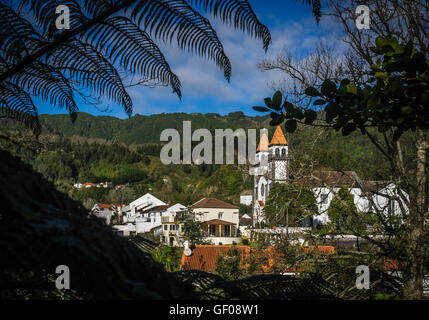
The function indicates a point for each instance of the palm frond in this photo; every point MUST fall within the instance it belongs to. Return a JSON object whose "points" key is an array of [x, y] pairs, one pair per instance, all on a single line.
{"points": [[91, 70], [16, 104], [124, 42]]}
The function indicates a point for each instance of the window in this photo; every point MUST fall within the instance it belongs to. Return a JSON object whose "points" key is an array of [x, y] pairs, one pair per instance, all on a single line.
{"points": [[262, 189], [219, 215], [172, 227], [227, 231], [324, 198], [165, 227], [277, 152], [212, 230], [283, 151]]}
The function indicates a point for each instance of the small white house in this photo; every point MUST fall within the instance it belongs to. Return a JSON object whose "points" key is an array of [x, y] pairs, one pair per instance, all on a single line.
{"points": [[326, 184], [220, 220], [246, 197], [154, 217]]}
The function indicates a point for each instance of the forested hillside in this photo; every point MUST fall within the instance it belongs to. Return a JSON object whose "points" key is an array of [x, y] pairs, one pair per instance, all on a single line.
{"points": [[126, 152]]}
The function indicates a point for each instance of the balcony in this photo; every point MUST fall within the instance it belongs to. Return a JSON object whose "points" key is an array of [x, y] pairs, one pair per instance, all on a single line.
{"points": [[168, 219]]}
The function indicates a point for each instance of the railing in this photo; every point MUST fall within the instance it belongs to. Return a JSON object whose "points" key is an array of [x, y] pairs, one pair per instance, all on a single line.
{"points": [[168, 219]]}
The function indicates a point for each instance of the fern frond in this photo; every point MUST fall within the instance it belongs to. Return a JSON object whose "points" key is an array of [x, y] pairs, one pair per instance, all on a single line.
{"points": [[16, 104], [91, 70], [46, 82], [46, 16], [17, 36], [240, 14], [169, 19], [124, 42]]}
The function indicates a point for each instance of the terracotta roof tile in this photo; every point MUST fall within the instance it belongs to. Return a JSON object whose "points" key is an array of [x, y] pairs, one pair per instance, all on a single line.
{"points": [[278, 137], [218, 221], [261, 203], [213, 203], [263, 143], [246, 193], [329, 178], [204, 257]]}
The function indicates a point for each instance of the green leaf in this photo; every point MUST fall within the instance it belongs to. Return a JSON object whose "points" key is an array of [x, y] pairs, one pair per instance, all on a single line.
{"points": [[261, 109], [310, 116], [328, 87], [312, 92], [276, 119], [268, 102], [289, 108], [277, 100], [291, 125], [331, 112], [319, 102], [351, 88]]}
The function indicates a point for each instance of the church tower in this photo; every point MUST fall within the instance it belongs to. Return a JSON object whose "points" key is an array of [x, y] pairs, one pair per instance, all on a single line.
{"points": [[273, 161], [278, 157]]}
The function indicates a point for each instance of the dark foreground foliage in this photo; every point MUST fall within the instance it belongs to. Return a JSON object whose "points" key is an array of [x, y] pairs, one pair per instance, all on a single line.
{"points": [[42, 228]]}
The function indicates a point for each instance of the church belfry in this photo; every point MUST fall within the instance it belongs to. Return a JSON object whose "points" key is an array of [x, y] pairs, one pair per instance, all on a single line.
{"points": [[278, 159], [267, 172]]}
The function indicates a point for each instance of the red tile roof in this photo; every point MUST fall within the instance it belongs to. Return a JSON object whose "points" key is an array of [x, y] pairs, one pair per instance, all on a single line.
{"points": [[278, 137], [263, 144], [331, 178], [246, 193], [213, 203], [218, 221], [89, 184], [261, 203], [204, 257], [104, 205]]}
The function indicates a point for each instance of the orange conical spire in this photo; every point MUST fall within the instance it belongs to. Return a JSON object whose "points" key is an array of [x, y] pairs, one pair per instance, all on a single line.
{"points": [[278, 137], [263, 144]]}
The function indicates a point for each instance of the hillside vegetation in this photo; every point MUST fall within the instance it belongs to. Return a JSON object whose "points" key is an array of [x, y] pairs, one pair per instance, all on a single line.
{"points": [[126, 152]]}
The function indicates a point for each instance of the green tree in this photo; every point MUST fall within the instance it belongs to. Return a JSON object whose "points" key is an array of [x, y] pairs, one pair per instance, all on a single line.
{"points": [[230, 265], [393, 99], [192, 228], [289, 204], [342, 212]]}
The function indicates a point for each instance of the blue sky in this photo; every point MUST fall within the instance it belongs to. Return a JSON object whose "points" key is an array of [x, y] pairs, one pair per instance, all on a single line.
{"points": [[204, 88]]}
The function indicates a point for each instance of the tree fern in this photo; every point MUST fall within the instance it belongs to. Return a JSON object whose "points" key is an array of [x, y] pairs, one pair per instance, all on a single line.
{"points": [[106, 35]]}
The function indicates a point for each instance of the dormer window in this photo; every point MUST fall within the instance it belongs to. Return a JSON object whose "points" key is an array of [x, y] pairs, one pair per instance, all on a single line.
{"points": [[219, 215]]}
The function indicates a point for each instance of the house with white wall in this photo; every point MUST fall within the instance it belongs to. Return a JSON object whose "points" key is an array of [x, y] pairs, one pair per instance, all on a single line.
{"points": [[246, 197], [325, 185], [220, 220]]}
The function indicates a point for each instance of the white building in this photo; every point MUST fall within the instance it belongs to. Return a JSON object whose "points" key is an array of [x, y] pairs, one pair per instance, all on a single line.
{"points": [[220, 220], [154, 217], [274, 162], [246, 197], [106, 211], [324, 184]]}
